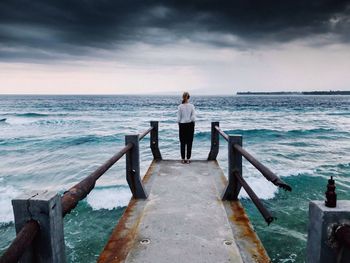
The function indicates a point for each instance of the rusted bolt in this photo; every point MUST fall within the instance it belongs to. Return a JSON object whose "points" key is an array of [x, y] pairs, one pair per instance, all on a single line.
{"points": [[145, 241], [228, 242]]}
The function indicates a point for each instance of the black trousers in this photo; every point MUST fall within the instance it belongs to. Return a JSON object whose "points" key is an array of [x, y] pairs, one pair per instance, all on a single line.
{"points": [[186, 131]]}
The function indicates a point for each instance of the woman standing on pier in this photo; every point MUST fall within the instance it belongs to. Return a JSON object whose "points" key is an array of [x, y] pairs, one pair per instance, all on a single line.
{"points": [[186, 119]]}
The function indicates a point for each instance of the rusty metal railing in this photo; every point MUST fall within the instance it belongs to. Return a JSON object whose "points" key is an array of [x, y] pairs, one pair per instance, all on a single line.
{"points": [[235, 178], [23, 240], [266, 172], [78, 192], [222, 133], [30, 230], [255, 199], [142, 135]]}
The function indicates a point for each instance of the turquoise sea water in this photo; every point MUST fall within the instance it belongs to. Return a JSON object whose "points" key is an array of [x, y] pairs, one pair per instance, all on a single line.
{"points": [[52, 142]]}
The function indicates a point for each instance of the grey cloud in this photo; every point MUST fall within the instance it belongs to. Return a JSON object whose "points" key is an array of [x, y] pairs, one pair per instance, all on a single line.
{"points": [[64, 28]]}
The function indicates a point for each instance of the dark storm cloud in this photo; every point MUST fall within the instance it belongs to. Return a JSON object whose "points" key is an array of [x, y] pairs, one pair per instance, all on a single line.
{"points": [[32, 29]]}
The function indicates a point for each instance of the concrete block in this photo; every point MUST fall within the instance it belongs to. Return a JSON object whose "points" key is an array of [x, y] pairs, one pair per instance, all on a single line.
{"points": [[321, 247], [44, 207]]}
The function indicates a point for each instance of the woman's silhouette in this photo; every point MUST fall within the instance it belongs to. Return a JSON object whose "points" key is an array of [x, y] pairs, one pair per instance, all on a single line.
{"points": [[186, 119]]}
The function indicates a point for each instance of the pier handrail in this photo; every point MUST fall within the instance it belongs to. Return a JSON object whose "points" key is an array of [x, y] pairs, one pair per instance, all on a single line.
{"points": [[78, 192], [235, 178], [255, 199], [69, 201], [23, 239], [142, 135], [222, 133], [266, 172]]}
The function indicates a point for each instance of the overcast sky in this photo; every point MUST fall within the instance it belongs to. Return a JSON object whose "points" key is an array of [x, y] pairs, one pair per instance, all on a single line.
{"points": [[208, 47]]}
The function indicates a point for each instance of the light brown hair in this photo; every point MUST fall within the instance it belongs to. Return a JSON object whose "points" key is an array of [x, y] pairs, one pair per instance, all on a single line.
{"points": [[185, 97]]}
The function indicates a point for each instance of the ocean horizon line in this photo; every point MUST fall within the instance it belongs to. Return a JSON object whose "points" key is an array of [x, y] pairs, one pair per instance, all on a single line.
{"points": [[239, 93]]}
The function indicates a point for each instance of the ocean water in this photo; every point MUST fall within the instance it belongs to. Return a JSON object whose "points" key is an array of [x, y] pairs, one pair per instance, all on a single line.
{"points": [[53, 142]]}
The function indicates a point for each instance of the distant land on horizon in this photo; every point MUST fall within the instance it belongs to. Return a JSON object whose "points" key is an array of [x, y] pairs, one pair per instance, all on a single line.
{"points": [[331, 92]]}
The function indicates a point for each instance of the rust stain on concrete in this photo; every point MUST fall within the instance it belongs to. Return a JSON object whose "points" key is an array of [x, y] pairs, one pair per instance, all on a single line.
{"points": [[124, 234], [122, 237], [241, 220]]}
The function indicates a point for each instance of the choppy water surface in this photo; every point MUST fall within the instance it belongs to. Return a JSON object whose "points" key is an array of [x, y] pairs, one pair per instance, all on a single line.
{"points": [[52, 142]]}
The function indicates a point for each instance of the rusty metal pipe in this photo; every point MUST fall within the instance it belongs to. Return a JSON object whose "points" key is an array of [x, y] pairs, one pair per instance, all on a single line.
{"points": [[342, 234], [22, 241], [79, 191], [145, 133], [266, 172], [222, 133], [263, 211]]}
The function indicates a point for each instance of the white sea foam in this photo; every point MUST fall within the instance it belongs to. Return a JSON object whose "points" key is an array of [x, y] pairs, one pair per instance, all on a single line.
{"points": [[262, 188], [7, 193], [109, 198], [19, 121], [259, 184]]}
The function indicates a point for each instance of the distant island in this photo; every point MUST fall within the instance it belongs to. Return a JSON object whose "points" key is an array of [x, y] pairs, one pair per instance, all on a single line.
{"points": [[331, 92]]}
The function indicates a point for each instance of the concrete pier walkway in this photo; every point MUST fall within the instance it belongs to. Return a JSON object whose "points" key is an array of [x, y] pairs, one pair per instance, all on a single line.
{"points": [[184, 220]]}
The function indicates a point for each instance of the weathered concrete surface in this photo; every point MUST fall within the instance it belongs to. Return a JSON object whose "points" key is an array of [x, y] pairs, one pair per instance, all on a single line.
{"points": [[183, 220], [45, 208], [322, 221], [124, 234], [249, 244]]}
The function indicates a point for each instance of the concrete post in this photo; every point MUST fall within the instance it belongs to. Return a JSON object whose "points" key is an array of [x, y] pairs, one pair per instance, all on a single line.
{"points": [[45, 208], [234, 164], [322, 246], [214, 148], [133, 167], [154, 141]]}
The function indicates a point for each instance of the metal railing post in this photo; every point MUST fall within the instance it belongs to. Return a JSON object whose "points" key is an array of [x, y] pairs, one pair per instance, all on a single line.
{"points": [[45, 208], [154, 141], [234, 164], [133, 168], [214, 148]]}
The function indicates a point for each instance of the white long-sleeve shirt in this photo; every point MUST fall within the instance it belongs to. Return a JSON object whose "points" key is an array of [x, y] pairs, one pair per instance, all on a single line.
{"points": [[186, 113]]}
